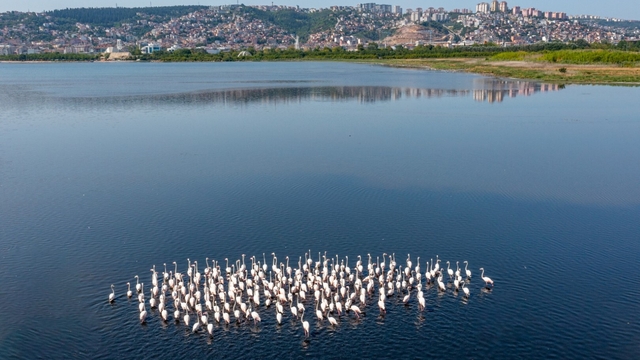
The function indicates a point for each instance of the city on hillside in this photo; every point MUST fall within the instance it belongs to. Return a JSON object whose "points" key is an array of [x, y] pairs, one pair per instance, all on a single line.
{"points": [[217, 29]]}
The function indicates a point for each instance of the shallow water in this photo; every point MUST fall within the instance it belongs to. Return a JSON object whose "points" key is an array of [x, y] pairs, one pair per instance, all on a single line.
{"points": [[107, 169]]}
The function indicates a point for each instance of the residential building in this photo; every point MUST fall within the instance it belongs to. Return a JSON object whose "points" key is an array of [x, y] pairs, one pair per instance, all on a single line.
{"points": [[416, 15], [482, 7], [494, 6]]}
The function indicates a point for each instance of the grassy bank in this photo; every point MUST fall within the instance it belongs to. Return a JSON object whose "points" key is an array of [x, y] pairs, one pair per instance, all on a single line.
{"points": [[628, 58]]}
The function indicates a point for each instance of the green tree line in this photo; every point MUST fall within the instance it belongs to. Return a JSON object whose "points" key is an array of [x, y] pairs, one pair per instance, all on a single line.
{"points": [[560, 51], [579, 52]]}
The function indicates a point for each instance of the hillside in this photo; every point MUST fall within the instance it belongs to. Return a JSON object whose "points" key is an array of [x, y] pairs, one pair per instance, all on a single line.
{"points": [[299, 23], [112, 16], [410, 34]]}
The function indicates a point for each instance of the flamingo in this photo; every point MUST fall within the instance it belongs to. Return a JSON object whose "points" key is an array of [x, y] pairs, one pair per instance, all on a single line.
{"points": [[294, 310], [196, 326], [256, 317], [449, 270], [441, 286], [305, 325], [356, 310], [487, 280], [129, 293], [330, 282], [318, 312], [143, 315], [465, 290]]}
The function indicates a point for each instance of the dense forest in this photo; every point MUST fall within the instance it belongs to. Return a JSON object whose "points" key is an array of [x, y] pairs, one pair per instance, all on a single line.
{"points": [[109, 16]]}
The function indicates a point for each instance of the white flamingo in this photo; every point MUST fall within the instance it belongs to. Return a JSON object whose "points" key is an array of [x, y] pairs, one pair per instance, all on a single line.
{"points": [[143, 315], [487, 280], [465, 290], [305, 325]]}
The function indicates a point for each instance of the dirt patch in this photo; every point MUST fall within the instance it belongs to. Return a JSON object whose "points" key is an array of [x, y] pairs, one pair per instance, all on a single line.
{"points": [[119, 56], [410, 34]]}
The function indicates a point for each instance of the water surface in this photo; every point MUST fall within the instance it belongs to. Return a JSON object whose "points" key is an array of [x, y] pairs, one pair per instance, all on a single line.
{"points": [[107, 169]]}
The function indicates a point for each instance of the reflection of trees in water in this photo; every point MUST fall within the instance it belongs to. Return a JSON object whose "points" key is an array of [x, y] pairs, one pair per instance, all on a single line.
{"points": [[329, 93], [497, 90], [490, 90]]}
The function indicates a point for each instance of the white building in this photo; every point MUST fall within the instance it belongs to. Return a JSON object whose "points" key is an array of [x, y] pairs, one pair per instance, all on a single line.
{"points": [[149, 49], [416, 15], [483, 7]]}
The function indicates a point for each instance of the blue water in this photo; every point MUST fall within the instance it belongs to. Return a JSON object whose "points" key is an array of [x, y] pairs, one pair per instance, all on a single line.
{"points": [[108, 169]]}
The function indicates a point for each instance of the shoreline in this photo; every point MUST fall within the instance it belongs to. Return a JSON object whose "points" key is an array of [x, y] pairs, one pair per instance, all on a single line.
{"points": [[588, 74], [559, 73]]}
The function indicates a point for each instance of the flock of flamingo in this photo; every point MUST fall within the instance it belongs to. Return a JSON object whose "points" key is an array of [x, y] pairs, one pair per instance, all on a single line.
{"points": [[329, 284]]}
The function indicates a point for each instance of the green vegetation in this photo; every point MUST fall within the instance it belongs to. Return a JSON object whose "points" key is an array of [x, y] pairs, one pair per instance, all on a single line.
{"points": [[509, 56], [591, 57], [299, 23], [435, 26], [562, 53], [110, 16], [374, 35], [50, 57]]}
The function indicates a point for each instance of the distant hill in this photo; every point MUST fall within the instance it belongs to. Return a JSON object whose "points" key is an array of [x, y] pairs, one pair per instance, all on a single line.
{"points": [[108, 17], [628, 24], [299, 23]]}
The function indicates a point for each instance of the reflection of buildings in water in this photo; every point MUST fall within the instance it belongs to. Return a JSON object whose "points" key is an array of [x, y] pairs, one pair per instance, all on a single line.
{"points": [[362, 94], [489, 90], [493, 90]]}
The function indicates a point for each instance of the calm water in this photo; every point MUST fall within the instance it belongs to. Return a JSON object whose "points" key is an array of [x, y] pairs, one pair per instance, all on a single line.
{"points": [[107, 169]]}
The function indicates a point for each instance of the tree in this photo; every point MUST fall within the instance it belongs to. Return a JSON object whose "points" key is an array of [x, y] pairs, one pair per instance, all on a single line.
{"points": [[582, 44], [623, 45]]}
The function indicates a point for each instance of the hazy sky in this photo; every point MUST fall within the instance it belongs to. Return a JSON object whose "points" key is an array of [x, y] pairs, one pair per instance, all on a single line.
{"points": [[626, 9]]}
